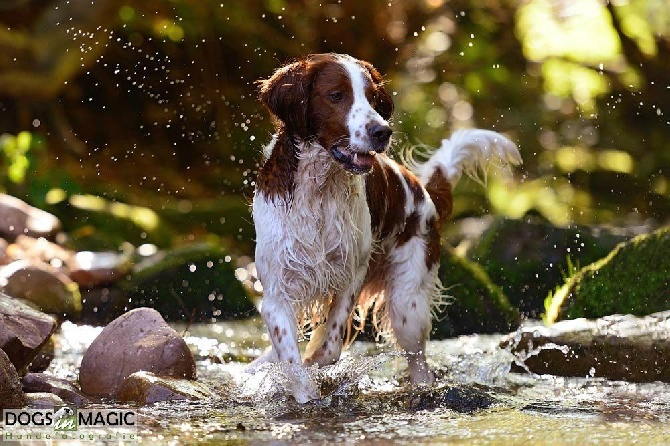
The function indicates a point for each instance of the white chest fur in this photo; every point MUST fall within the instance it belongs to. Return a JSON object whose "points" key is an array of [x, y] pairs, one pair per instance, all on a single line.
{"points": [[310, 249]]}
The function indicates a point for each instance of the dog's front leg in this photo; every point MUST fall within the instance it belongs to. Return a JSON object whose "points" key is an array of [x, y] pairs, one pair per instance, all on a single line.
{"points": [[279, 316], [325, 346]]}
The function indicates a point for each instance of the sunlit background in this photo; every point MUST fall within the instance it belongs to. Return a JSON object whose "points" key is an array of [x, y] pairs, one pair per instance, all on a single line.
{"points": [[138, 121]]}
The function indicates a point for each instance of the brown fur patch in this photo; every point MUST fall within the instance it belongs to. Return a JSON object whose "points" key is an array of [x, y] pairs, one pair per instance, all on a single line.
{"points": [[439, 189], [276, 178]]}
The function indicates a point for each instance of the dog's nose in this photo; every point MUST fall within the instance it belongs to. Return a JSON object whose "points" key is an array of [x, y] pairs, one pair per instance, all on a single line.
{"points": [[380, 134]]}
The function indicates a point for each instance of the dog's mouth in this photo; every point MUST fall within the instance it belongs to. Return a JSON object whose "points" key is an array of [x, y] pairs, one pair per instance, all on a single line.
{"points": [[353, 160]]}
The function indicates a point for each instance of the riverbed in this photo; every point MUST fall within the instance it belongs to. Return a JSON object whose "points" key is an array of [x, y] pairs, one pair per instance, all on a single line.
{"points": [[366, 398]]}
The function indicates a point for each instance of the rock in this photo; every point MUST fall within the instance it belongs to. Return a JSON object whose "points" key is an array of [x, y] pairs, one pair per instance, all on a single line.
{"points": [[4, 257], [94, 269], [39, 250], [146, 388], [138, 340], [463, 399], [614, 347], [43, 400], [633, 279], [478, 306], [46, 354], [11, 395], [192, 283], [528, 258], [64, 389], [23, 330], [50, 290], [18, 217]]}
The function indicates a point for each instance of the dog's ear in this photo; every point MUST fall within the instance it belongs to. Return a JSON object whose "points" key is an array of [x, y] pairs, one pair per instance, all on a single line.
{"points": [[384, 104], [286, 95]]}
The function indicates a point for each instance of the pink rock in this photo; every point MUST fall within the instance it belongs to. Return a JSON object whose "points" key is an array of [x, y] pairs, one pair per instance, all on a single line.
{"points": [[18, 217], [137, 340], [11, 395], [23, 330]]}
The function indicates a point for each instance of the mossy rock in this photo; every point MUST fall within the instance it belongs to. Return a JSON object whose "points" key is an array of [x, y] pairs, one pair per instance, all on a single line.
{"points": [[633, 279], [529, 258], [477, 306], [191, 283]]}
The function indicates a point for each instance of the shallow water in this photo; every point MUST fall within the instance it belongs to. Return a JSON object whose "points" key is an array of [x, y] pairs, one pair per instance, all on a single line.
{"points": [[367, 400]]}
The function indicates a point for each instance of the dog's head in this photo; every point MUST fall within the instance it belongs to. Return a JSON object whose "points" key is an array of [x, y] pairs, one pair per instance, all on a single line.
{"points": [[335, 99]]}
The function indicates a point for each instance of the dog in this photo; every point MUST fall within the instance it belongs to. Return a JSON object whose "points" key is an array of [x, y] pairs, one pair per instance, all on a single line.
{"points": [[341, 228]]}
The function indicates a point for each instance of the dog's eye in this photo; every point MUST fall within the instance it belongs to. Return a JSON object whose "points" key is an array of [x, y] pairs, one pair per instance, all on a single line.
{"points": [[335, 96]]}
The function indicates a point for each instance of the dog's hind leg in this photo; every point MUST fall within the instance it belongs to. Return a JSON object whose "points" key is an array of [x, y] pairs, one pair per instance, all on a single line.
{"points": [[411, 289]]}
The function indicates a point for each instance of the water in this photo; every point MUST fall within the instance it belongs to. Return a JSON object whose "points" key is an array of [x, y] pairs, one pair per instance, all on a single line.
{"points": [[476, 399]]}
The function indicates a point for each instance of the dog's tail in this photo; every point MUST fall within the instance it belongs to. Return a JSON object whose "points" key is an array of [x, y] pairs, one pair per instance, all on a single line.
{"points": [[471, 152]]}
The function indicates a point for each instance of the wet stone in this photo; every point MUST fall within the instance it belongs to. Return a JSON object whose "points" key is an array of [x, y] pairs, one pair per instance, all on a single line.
{"points": [[43, 400], [64, 389], [50, 290], [627, 348], [11, 395], [462, 399], [147, 388], [18, 217], [94, 269], [138, 340], [23, 330]]}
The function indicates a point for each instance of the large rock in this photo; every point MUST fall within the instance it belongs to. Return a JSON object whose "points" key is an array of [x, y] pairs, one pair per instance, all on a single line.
{"points": [[137, 340], [146, 388], [64, 389], [529, 258], [23, 330], [615, 347], [477, 305], [633, 279], [11, 395], [18, 217], [50, 290], [191, 283]]}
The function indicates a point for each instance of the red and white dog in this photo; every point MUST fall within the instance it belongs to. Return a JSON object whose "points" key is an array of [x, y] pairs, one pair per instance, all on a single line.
{"points": [[340, 226]]}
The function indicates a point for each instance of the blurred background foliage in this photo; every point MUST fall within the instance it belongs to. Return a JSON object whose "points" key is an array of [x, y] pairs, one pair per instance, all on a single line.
{"points": [[141, 116]]}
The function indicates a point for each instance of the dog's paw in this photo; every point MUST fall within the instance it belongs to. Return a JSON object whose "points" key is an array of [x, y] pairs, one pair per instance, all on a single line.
{"points": [[419, 372], [300, 383]]}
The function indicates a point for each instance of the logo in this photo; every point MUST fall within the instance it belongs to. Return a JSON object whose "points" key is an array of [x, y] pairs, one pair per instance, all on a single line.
{"points": [[69, 423], [65, 419]]}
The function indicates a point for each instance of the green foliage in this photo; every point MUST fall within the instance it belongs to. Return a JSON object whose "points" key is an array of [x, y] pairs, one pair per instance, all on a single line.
{"points": [[159, 105], [571, 270], [633, 279], [16, 151]]}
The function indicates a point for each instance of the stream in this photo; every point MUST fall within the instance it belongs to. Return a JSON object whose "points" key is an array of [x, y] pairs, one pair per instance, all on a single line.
{"points": [[366, 400]]}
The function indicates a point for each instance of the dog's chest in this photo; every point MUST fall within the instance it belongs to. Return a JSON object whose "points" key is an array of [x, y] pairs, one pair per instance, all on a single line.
{"points": [[313, 247]]}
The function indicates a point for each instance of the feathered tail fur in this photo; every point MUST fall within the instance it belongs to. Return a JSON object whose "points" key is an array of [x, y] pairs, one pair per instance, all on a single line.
{"points": [[470, 151]]}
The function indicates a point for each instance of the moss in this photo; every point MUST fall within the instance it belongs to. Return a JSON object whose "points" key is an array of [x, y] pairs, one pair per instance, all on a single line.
{"points": [[633, 279], [192, 283], [529, 258], [478, 306]]}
